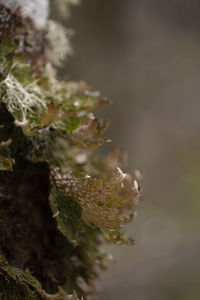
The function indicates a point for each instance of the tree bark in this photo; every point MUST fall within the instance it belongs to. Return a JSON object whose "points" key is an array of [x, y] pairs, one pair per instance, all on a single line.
{"points": [[57, 203]]}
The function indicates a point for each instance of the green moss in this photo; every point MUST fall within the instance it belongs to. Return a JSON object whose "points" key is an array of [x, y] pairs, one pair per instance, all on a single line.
{"points": [[71, 123], [83, 101], [17, 284], [22, 71], [84, 239], [6, 164], [18, 274], [11, 290], [51, 122], [6, 47], [68, 216]]}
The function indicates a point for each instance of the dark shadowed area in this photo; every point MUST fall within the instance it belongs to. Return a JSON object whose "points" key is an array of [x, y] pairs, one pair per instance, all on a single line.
{"points": [[144, 55]]}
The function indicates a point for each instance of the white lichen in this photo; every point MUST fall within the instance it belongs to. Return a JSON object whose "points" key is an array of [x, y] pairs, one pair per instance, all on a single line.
{"points": [[64, 6], [37, 10], [60, 45], [23, 102]]}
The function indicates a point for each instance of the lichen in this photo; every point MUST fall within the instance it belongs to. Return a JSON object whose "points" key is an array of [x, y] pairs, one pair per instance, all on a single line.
{"points": [[24, 103], [64, 6], [69, 198], [37, 10], [59, 42]]}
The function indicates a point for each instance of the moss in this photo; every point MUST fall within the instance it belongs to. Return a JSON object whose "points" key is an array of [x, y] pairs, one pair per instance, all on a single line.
{"points": [[67, 213], [84, 239], [103, 202], [69, 216], [6, 47], [18, 284], [58, 200], [6, 163], [71, 123], [18, 274], [12, 290]]}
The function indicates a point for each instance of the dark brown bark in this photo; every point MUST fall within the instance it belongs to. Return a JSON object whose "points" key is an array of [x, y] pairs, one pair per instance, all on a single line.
{"points": [[28, 235]]}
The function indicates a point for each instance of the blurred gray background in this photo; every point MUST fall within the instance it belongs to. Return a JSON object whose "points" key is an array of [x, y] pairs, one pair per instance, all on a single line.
{"points": [[145, 56]]}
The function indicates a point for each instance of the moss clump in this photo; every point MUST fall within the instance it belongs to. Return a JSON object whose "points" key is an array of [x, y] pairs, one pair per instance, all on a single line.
{"points": [[58, 199]]}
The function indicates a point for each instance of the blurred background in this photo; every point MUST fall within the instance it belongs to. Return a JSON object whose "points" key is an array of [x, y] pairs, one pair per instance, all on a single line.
{"points": [[145, 56]]}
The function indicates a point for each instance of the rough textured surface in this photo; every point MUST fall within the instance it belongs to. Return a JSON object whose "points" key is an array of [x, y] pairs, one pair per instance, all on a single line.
{"points": [[29, 238], [37, 10], [102, 200], [28, 39], [52, 222]]}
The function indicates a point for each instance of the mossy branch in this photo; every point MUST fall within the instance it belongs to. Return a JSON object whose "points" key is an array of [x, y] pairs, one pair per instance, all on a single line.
{"points": [[58, 199]]}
